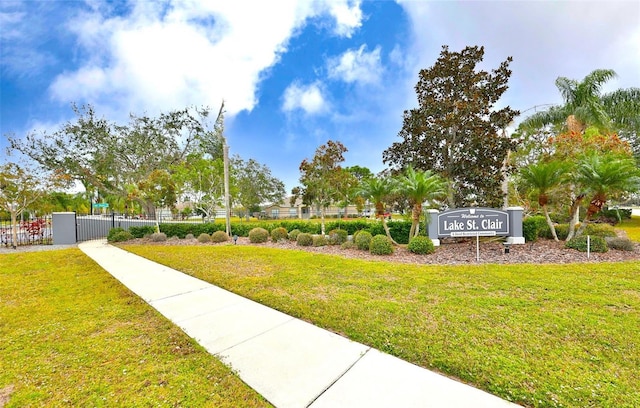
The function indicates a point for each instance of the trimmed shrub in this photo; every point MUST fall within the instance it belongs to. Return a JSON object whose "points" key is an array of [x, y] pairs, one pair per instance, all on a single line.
{"points": [[620, 244], [219, 236], [319, 240], [600, 230], [597, 244], [304, 239], [613, 216], [363, 240], [189, 236], [381, 245], [142, 231], [293, 234], [531, 227], [348, 245], [421, 245], [258, 235], [121, 236], [562, 230], [158, 237], [204, 238], [338, 236], [279, 234], [113, 232]]}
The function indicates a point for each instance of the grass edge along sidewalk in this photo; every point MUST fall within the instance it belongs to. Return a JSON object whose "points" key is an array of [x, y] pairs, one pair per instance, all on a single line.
{"points": [[72, 335], [537, 335]]}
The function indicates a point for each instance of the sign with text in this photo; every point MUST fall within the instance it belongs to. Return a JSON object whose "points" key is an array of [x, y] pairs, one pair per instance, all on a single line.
{"points": [[100, 205], [471, 222]]}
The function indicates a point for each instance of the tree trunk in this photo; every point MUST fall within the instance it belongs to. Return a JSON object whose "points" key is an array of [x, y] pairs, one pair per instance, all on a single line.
{"points": [[575, 208], [595, 206], [380, 214], [574, 125], [550, 223], [322, 219], [386, 230], [415, 219]]}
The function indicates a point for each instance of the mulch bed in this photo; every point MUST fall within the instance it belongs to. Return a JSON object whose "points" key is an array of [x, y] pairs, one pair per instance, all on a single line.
{"points": [[454, 253]]}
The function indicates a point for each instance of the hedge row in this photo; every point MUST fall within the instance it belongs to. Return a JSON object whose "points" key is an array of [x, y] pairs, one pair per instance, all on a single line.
{"points": [[399, 229]]}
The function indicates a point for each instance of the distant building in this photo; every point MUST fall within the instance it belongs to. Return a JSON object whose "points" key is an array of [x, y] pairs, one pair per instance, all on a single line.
{"points": [[284, 210]]}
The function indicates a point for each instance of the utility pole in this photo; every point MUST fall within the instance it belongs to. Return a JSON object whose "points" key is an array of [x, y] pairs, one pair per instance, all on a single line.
{"points": [[227, 205]]}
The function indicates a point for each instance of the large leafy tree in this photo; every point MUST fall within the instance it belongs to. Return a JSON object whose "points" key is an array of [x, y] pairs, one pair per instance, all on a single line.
{"points": [[320, 177], [585, 105], [456, 131], [420, 187], [201, 183], [106, 157], [21, 187], [82, 149], [255, 185]]}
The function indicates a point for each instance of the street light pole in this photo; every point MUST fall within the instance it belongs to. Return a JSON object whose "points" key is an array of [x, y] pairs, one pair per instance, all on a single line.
{"points": [[225, 154]]}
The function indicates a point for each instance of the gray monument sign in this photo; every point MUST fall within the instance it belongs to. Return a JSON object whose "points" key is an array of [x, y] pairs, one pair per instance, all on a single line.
{"points": [[473, 221], [476, 222]]}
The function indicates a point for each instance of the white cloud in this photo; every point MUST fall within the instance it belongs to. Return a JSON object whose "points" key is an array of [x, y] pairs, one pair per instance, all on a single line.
{"points": [[308, 98], [169, 55], [545, 39], [357, 66], [348, 17]]}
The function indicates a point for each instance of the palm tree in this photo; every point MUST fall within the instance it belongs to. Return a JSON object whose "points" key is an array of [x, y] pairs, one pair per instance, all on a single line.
{"points": [[377, 190], [584, 105], [605, 175], [543, 177], [418, 187]]}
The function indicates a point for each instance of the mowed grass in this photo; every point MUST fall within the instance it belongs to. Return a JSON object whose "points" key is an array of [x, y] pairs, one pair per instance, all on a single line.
{"points": [[71, 335], [632, 227], [538, 335]]}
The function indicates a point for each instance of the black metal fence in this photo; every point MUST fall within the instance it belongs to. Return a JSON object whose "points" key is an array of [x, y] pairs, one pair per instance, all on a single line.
{"points": [[90, 227], [36, 231]]}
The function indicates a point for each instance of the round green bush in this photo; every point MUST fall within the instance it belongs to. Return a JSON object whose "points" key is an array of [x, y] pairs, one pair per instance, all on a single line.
{"points": [[293, 234], [219, 236], [620, 244], [597, 244], [189, 236], [531, 227], [279, 234], [158, 237], [113, 232], [562, 231], [304, 239], [338, 236], [363, 240], [381, 245], [319, 240], [348, 245], [204, 238], [121, 236], [258, 235], [601, 230], [421, 245]]}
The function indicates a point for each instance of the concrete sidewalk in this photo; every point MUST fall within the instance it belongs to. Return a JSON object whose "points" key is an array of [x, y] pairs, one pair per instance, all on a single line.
{"points": [[288, 361]]}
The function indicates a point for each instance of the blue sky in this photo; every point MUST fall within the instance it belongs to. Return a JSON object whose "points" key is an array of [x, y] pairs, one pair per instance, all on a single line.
{"points": [[294, 74]]}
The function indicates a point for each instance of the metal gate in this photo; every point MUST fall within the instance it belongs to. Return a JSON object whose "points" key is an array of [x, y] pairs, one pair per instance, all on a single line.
{"points": [[90, 227]]}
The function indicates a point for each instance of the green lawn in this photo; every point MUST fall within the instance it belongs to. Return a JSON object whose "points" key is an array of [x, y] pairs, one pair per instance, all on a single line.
{"points": [[632, 227], [539, 335], [71, 335]]}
